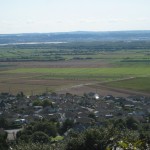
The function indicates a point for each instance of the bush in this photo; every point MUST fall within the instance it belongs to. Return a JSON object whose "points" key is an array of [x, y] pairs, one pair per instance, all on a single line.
{"points": [[40, 137], [3, 144], [46, 127]]}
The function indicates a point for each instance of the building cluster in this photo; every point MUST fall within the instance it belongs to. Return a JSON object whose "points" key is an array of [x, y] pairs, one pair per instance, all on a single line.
{"points": [[84, 111]]}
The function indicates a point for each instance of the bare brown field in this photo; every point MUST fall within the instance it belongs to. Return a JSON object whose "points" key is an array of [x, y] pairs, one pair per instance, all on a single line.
{"points": [[58, 64]]}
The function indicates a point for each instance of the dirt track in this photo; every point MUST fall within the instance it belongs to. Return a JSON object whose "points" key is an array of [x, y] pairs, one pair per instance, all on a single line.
{"points": [[102, 89]]}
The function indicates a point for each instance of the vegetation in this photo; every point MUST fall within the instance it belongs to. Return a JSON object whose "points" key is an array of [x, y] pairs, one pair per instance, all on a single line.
{"points": [[34, 131], [3, 143], [126, 134], [43, 103], [130, 51]]}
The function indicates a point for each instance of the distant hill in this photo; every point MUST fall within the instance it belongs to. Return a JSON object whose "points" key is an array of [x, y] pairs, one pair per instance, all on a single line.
{"points": [[75, 36]]}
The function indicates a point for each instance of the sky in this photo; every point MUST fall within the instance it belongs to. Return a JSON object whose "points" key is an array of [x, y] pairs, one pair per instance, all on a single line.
{"points": [[30, 16]]}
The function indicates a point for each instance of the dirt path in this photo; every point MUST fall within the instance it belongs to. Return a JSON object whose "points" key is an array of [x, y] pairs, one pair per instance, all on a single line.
{"points": [[103, 89]]}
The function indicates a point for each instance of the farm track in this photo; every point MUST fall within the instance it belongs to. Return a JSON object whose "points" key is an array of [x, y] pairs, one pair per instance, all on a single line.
{"points": [[102, 86]]}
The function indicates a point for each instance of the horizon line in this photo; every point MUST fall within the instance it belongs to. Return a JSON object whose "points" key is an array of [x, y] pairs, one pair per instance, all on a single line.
{"points": [[73, 31]]}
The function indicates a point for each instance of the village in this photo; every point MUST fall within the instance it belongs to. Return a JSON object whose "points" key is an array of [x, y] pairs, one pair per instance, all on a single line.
{"points": [[84, 111]]}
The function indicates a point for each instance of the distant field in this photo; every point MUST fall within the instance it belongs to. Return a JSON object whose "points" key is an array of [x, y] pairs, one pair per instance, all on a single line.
{"points": [[138, 84], [85, 72]]}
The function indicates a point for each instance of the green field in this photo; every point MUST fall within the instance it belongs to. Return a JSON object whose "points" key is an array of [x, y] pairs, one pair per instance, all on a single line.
{"points": [[83, 72], [138, 84]]}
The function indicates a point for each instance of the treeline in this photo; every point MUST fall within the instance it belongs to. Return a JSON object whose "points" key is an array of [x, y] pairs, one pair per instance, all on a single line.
{"points": [[65, 51], [88, 46]]}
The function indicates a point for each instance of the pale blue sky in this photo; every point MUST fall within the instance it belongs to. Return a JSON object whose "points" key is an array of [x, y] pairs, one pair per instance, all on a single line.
{"points": [[24, 16]]}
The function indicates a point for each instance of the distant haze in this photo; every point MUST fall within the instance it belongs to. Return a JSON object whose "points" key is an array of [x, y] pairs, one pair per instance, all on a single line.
{"points": [[30, 16]]}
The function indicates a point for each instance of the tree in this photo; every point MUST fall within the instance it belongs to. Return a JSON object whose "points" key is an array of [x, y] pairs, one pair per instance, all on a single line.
{"points": [[43, 103], [120, 124], [67, 125], [131, 123], [92, 139], [46, 103], [40, 137], [46, 127], [3, 143], [37, 103], [3, 123]]}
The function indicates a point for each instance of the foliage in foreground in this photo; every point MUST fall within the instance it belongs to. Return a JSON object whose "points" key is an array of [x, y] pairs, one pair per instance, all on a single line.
{"points": [[3, 143], [94, 139]]}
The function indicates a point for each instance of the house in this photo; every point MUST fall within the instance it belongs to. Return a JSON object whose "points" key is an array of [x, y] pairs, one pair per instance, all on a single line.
{"points": [[38, 109]]}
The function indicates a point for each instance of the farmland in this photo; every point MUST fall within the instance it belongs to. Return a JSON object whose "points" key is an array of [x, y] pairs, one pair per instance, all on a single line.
{"points": [[73, 67], [138, 84]]}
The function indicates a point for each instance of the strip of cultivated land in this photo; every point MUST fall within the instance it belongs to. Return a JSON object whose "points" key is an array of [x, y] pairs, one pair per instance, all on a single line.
{"points": [[42, 79]]}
